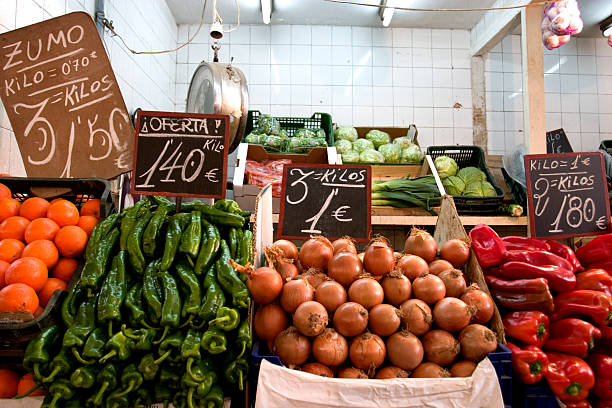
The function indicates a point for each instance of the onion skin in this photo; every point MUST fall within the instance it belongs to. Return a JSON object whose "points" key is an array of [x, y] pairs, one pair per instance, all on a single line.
{"points": [[286, 249], [439, 265], [330, 294], [452, 314], [416, 316], [367, 292], [462, 368], [310, 318], [330, 348], [352, 373], [292, 347], [476, 342], [429, 288], [351, 319], [379, 258], [421, 243], [318, 369], [367, 351], [481, 301], [405, 350], [344, 244], [389, 372], [454, 282], [265, 284], [455, 251], [441, 347], [286, 270], [397, 288], [316, 253], [384, 320], [269, 321], [294, 293], [344, 268], [315, 277], [430, 370], [412, 266]]}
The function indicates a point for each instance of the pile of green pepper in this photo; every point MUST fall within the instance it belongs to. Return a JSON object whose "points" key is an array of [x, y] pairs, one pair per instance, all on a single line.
{"points": [[158, 315]]}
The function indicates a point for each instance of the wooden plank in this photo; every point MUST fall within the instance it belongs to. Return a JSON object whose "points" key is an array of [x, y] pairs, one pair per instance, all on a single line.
{"points": [[392, 211]]}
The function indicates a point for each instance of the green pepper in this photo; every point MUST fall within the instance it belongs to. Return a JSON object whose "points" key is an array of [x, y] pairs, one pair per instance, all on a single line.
{"points": [[84, 324], [134, 243], [117, 400], [94, 346], [158, 200], [227, 318], [151, 233], [190, 289], [84, 377], [178, 222], [233, 239], [229, 206], [143, 338], [179, 400], [144, 396], [200, 386], [152, 291], [69, 306], [246, 250], [190, 350], [213, 299], [169, 376], [162, 393], [172, 343], [130, 216], [244, 340], [95, 267], [209, 379], [106, 379], [60, 389], [133, 303], [100, 232], [230, 282], [112, 294], [171, 309], [132, 377], [77, 401], [214, 341], [236, 370], [37, 352], [120, 346], [214, 399], [190, 240], [219, 217], [211, 238], [149, 365]]}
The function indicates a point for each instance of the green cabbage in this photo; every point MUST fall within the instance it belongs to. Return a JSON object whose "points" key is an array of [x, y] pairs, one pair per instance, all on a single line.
{"points": [[378, 137], [403, 141], [268, 125], [471, 174], [309, 133], [350, 157], [283, 133], [412, 155], [343, 146], [392, 152], [251, 138], [453, 185], [273, 143], [305, 144], [446, 166], [371, 156], [479, 189], [360, 145], [346, 133]]}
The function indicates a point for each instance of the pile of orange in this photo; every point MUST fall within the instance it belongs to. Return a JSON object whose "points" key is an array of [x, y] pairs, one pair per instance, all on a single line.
{"points": [[11, 384], [39, 244]]}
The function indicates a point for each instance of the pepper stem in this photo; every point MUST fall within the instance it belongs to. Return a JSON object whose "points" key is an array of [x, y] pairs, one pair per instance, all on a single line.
{"points": [[147, 325], [535, 368], [591, 343], [128, 334], [190, 261], [243, 349], [166, 329], [110, 329], [211, 404], [37, 371], [219, 320], [52, 376], [573, 389], [80, 359], [107, 357], [188, 321], [240, 385], [163, 357], [190, 372], [56, 397], [190, 397], [127, 390], [541, 330], [98, 397], [34, 388]]}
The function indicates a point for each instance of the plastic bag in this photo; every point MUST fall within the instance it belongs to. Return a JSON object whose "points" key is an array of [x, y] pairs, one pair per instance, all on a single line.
{"points": [[305, 144], [561, 20], [262, 174]]}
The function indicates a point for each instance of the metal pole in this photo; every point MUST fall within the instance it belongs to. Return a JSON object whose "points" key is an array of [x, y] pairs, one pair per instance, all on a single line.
{"points": [[99, 17]]}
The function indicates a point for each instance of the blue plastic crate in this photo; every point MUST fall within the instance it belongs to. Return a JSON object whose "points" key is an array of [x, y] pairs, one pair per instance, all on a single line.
{"points": [[502, 361], [538, 396]]}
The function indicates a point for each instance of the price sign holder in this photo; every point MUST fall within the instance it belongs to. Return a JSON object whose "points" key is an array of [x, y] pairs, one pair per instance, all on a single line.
{"points": [[557, 142], [329, 200], [567, 195], [180, 154]]}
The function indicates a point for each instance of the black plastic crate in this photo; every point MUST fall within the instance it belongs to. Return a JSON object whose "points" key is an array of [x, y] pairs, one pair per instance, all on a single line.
{"points": [[606, 146], [291, 124], [471, 156], [519, 192], [502, 362]]}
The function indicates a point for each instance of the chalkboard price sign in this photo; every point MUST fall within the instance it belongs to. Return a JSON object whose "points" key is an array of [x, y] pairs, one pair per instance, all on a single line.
{"points": [[568, 195], [557, 142], [181, 154], [328, 200]]}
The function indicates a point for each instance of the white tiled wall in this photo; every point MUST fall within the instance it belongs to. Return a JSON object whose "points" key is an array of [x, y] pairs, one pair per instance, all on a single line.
{"points": [[578, 84], [146, 81], [363, 76]]}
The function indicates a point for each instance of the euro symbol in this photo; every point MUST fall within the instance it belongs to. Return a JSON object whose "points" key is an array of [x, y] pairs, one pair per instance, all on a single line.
{"points": [[122, 161], [340, 212], [602, 223], [211, 175]]}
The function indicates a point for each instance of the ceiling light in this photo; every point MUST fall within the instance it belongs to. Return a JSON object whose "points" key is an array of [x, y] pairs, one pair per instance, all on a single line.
{"points": [[606, 27], [266, 10]]}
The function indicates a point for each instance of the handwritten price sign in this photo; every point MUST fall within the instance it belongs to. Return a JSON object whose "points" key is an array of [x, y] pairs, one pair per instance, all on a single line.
{"points": [[63, 101]]}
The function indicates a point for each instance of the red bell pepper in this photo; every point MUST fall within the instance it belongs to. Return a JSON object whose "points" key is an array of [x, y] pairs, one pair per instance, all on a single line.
{"points": [[602, 367], [595, 279], [597, 250], [559, 279], [522, 294], [596, 305], [487, 245], [572, 336], [577, 404], [564, 252], [530, 327], [530, 363], [525, 244], [606, 265], [539, 258], [570, 378], [603, 404]]}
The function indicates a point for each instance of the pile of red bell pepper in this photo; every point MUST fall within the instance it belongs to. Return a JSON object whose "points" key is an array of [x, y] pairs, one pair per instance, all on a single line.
{"points": [[558, 306]]}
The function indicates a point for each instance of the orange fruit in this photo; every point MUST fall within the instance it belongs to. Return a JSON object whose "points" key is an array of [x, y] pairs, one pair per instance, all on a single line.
{"points": [[10, 249], [9, 207], [14, 227], [26, 383], [18, 297], [3, 267], [44, 250], [50, 287], [9, 381], [38, 312], [64, 269], [91, 207], [34, 207], [63, 212], [29, 270], [5, 192], [41, 228], [5, 175], [71, 241], [87, 222]]}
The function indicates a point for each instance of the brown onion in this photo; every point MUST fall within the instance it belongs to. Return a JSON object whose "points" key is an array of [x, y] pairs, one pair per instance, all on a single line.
{"points": [[455, 251], [476, 342], [438, 266], [367, 292], [330, 294], [454, 282], [421, 243], [315, 277], [351, 319], [316, 253], [428, 288], [441, 347], [430, 370], [404, 350], [269, 321], [480, 300], [412, 266], [391, 372], [294, 293], [344, 244], [286, 270], [310, 318], [330, 348], [384, 320], [318, 369], [379, 258], [286, 249], [291, 347], [397, 288], [462, 368], [416, 316], [452, 314], [344, 268], [265, 284], [367, 351], [352, 372]]}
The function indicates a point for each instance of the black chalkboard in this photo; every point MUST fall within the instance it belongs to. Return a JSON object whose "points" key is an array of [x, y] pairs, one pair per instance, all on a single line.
{"points": [[567, 194], [180, 154], [557, 142], [328, 200]]}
